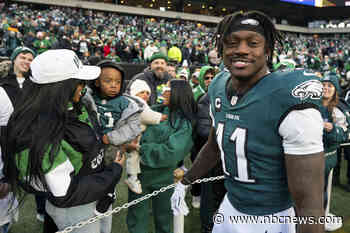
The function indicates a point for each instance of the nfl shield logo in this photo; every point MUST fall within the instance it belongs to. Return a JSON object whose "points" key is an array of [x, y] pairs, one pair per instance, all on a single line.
{"points": [[234, 100]]}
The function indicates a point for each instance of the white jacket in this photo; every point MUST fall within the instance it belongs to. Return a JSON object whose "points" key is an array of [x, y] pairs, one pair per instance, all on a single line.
{"points": [[148, 116]]}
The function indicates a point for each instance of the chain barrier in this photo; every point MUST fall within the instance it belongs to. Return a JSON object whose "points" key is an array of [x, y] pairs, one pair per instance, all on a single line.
{"points": [[134, 202]]}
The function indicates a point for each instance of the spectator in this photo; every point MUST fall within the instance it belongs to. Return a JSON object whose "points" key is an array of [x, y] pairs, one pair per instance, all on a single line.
{"points": [[194, 82], [163, 47], [12, 41], [197, 56], [8, 202], [153, 76], [19, 74], [171, 69], [29, 40], [162, 147], [335, 132], [213, 57], [41, 44], [206, 74], [150, 50], [83, 46], [74, 184], [174, 53], [187, 51], [118, 118], [140, 91]]}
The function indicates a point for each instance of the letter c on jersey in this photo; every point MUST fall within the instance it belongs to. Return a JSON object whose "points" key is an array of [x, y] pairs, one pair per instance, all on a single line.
{"points": [[217, 105]]}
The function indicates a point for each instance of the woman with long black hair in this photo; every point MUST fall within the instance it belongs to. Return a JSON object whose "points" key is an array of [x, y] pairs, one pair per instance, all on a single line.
{"points": [[162, 147], [48, 149]]}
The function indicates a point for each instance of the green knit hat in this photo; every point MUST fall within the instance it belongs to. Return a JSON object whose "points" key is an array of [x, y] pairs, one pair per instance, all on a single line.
{"points": [[158, 56], [334, 79], [19, 50]]}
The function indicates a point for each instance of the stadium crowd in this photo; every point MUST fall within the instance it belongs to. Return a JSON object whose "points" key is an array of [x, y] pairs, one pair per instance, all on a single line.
{"points": [[133, 39], [42, 74]]}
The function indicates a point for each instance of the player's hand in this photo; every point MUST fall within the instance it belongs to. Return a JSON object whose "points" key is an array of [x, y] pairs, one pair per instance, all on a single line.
{"points": [[4, 190], [164, 117], [178, 204], [328, 126], [119, 158], [105, 139]]}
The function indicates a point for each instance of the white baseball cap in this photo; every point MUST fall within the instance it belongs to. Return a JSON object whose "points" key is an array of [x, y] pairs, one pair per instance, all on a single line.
{"points": [[60, 64]]}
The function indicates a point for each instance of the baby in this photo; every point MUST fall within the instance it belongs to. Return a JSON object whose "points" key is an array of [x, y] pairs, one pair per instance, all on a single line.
{"points": [[142, 92]]}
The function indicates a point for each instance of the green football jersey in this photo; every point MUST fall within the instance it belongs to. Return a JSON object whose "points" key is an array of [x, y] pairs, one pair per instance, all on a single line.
{"points": [[247, 133]]}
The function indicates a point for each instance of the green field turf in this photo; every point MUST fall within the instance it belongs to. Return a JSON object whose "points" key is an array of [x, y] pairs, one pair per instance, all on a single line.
{"points": [[27, 222]]}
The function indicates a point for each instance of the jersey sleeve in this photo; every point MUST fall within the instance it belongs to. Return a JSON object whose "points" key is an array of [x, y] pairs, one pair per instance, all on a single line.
{"points": [[300, 122], [297, 90], [301, 132]]}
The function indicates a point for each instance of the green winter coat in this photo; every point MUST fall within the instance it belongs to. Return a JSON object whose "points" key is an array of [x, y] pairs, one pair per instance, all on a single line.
{"points": [[331, 141], [163, 146]]}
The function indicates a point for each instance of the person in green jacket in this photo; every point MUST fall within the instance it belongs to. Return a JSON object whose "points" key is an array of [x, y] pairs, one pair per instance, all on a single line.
{"points": [[334, 133], [206, 74], [41, 44], [162, 147], [49, 149]]}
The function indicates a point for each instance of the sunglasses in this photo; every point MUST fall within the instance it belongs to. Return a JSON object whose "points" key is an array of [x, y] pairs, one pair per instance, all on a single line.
{"points": [[208, 77]]}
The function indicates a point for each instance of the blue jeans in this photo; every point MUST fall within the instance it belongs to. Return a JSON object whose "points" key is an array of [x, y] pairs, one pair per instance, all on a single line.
{"points": [[65, 217]]}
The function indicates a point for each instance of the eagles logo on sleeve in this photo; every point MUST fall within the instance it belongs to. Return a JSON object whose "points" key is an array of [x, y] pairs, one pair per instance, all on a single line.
{"points": [[310, 89]]}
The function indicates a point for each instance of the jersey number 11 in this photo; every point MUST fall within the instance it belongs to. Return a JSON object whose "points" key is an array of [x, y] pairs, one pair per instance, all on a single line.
{"points": [[239, 136]]}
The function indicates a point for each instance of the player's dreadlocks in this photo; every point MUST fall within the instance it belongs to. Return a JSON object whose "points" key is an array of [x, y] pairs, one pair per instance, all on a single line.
{"points": [[272, 36]]}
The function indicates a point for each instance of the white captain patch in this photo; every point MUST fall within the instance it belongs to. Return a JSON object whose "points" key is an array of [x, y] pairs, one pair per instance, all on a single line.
{"points": [[59, 179], [217, 104], [310, 89], [234, 100]]}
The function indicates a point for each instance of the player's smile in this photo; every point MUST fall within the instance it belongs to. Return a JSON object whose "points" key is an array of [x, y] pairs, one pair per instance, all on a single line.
{"points": [[240, 63], [245, 55]]}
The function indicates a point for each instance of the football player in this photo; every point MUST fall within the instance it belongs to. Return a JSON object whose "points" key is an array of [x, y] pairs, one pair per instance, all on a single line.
{"points": [[267, 130]]}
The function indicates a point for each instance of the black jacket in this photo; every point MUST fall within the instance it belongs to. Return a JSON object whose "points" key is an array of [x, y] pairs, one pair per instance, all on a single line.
{"points": [[203, 118], [12, 87]]}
